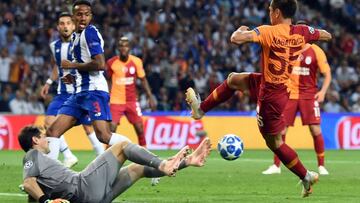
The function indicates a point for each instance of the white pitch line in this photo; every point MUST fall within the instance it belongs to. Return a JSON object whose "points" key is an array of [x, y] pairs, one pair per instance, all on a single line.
{"points": [[13, 194]]}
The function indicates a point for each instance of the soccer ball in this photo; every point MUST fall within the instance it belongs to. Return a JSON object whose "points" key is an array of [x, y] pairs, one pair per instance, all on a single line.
{"points": [[230, 147]]}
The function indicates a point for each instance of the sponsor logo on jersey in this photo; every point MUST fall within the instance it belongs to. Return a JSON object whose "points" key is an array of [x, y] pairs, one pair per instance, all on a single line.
{"points": [[93, 44], [132, 70], [308, 60], [125, 81], [297, 70]]}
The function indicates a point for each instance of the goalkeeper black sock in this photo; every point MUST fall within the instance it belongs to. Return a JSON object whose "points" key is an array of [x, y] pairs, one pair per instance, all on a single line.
{"points": [[155, 173]]}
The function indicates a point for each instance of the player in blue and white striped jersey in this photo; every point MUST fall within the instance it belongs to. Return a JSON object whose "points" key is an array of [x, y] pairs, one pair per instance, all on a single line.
{"points": [[92, 95], [61, 50]]}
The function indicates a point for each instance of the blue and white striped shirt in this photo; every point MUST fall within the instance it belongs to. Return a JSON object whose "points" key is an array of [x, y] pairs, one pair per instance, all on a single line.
{"points": [[62, 50], [87, 44]]}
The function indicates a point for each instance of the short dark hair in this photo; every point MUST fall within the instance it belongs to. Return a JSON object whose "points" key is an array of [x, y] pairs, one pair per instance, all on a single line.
{"points": [[287, 7], [63, 14], [81, 2], [302, 22], [26, 135]]}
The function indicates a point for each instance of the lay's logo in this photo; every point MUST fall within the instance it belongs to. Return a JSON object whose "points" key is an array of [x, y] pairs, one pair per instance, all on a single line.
{"points": [[168, 133], [348, 133]]}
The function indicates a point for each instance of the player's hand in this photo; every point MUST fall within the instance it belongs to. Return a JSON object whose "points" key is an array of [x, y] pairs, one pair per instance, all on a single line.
{"points": [[68, 79], [44, 91], [319, 96], [66, 64], [58, 200]]}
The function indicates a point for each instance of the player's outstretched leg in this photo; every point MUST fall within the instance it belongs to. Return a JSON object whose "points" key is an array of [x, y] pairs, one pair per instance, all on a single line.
{"points": [[234, 81], [170, 166], [310, 179], [133, 172], [198, 157]]}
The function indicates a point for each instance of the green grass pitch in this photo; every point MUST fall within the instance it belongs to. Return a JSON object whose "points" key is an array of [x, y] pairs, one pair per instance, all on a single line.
{"points": [[220, 180]]}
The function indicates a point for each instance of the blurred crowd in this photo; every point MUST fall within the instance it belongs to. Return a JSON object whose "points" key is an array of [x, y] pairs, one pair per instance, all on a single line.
{"points": [[182, 43]]}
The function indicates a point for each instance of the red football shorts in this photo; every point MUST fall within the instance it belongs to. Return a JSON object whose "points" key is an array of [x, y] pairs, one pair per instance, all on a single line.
{"points": [[309, 110], [254, 86], [271, 101], [131, 110]]}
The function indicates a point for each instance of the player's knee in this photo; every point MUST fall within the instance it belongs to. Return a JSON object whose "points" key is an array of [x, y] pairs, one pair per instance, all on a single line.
{"points": [[230, 80], [237, 81], [271, 142], [121, 145], [47, 124], [113, 128], [52, 132], [103, 139], [315, 130], [104, 136], [88, 130]]}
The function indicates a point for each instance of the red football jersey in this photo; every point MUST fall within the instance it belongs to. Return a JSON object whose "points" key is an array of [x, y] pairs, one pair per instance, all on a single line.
{"points": [[304, 76], [123, 76], [281, 45]]}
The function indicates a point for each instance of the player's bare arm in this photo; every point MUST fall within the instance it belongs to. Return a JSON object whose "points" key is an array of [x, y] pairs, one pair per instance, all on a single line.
{"points": [[146, 86], [54, 76], [241, 35], [96, 64], [324, 35], [109, 82], [33, 188], [320, 96], [108, 76]]}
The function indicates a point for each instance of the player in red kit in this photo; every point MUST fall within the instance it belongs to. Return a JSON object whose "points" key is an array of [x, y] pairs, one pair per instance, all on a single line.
{"points": [[281, 45], [305, 98], [123, 71]]}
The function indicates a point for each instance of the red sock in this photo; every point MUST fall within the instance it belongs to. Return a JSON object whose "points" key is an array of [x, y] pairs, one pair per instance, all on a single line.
{"points": [[277, 161], [219, 95], [319, 149], [290, 159]]}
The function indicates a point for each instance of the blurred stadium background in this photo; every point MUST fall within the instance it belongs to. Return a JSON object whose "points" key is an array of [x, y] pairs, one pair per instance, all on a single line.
{"points": [[186, 43]]}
